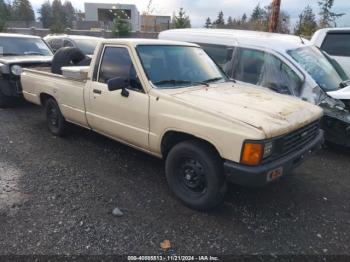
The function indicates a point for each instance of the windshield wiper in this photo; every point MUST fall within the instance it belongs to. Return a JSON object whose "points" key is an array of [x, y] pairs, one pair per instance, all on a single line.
{"points": [[213, 79], [175, 82], [217, 79]]}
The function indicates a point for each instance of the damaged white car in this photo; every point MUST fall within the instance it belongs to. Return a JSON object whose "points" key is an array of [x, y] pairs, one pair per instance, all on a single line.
{"points": [[284, 63]]}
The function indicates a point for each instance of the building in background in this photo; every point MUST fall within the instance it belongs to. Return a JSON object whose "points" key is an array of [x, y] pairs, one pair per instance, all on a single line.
{"points": [[155, 23], [106, 14]]}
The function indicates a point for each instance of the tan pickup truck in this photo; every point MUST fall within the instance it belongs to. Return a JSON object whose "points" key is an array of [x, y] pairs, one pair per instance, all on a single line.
{"points": [[169, 99]]}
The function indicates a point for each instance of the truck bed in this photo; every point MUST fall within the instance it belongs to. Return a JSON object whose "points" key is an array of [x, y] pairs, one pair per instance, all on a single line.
{"points": [[39, 84]]}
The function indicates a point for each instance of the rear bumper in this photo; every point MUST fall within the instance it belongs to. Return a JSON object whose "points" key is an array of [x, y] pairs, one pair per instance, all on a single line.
{"points": [[264, 174]]}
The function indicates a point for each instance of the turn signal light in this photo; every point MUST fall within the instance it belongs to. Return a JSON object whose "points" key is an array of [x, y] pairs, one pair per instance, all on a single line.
{"points": [[252, 154]]}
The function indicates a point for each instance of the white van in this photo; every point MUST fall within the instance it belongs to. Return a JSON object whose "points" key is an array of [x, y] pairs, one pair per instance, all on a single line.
{"points": [[336, 42], [284, 63]]}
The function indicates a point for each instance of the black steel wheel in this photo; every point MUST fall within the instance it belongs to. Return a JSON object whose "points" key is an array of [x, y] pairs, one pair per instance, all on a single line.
{"points": [[55, 120], [195, 174]]}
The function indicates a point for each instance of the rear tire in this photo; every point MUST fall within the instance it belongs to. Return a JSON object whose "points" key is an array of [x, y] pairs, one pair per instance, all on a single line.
{"points": [[66, 56], [194, 172], [55, 120]]}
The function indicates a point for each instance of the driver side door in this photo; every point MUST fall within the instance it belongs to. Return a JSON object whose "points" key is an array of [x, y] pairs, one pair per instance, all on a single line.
{"points": [[121, 117]]}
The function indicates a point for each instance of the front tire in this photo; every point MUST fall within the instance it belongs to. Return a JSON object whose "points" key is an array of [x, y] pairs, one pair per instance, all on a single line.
{"points": [[194, 172], [55, 120]]}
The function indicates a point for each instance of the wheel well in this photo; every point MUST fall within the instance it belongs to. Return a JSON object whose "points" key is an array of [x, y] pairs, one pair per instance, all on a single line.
{"points": [[172, 138], [44, 97]]}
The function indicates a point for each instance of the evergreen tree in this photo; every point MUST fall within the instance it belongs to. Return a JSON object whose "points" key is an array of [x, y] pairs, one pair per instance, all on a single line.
{"points": [[46, 16], [59, 18], [220, 21], [22, 10], [244, 18], [327, 17], [4, 15], [120, 27], [181, 20], [230, 22], [208, 23], [307, 24], [69, 13], [258, 14]]}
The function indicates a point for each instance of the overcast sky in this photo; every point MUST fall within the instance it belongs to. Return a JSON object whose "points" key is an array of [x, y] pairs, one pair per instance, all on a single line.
{"points": [[199, 10]]}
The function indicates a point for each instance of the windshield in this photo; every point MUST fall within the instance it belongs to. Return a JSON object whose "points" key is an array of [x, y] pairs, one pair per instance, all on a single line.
{"points": [[178, 66], [87, 46], [318, 66], [16, 46]]}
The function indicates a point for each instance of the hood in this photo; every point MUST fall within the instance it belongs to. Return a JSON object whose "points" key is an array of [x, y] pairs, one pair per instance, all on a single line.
{"points": [[25, 59], [341, 94], [273, 113]]}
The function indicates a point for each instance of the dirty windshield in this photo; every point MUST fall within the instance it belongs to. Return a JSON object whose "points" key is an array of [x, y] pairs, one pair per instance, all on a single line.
{"points": [[318, 66], [178, 66], [17, 46]]}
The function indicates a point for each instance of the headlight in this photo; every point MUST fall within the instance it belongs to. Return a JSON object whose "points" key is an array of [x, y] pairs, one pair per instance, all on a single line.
{"points": [[16, 70], [254, 153], [268, 150]]}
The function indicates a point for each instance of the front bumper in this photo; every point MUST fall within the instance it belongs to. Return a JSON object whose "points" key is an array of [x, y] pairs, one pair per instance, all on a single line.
{"points": [[336, 126], [266, 173], [11, 87]]}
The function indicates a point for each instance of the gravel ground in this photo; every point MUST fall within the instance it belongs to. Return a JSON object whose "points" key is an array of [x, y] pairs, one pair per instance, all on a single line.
{"points": [[57, 197]]}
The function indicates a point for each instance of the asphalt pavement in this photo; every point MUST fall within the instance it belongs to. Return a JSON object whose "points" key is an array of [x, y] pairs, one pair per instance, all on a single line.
{"points": [[57, 196]]}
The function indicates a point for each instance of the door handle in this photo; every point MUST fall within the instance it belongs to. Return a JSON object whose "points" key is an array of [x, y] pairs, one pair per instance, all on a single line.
{"points": [[97, 91]]}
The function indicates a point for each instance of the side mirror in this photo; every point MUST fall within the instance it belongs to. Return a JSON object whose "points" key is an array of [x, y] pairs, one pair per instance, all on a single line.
{"points": [[117, 83]]}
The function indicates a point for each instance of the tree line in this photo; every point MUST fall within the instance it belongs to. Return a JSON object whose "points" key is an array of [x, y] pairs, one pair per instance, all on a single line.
{"points": [[259, 18], [56, 15], [19, 10]]}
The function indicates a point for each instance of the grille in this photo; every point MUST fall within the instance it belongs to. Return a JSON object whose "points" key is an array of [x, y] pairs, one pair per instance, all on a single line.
{"points": [[299, 138], [294, 141], [31, 65]]}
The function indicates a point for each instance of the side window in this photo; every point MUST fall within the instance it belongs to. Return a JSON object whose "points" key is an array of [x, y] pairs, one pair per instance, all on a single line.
{"points": [[116, 62], [248, 65], [279, 77], [337, 44], [67, 43], [221, 54]]}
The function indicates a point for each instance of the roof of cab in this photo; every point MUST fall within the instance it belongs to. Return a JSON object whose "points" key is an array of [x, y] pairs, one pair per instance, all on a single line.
{"points": [[278, 42], [142, 41], [18, 35]]}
